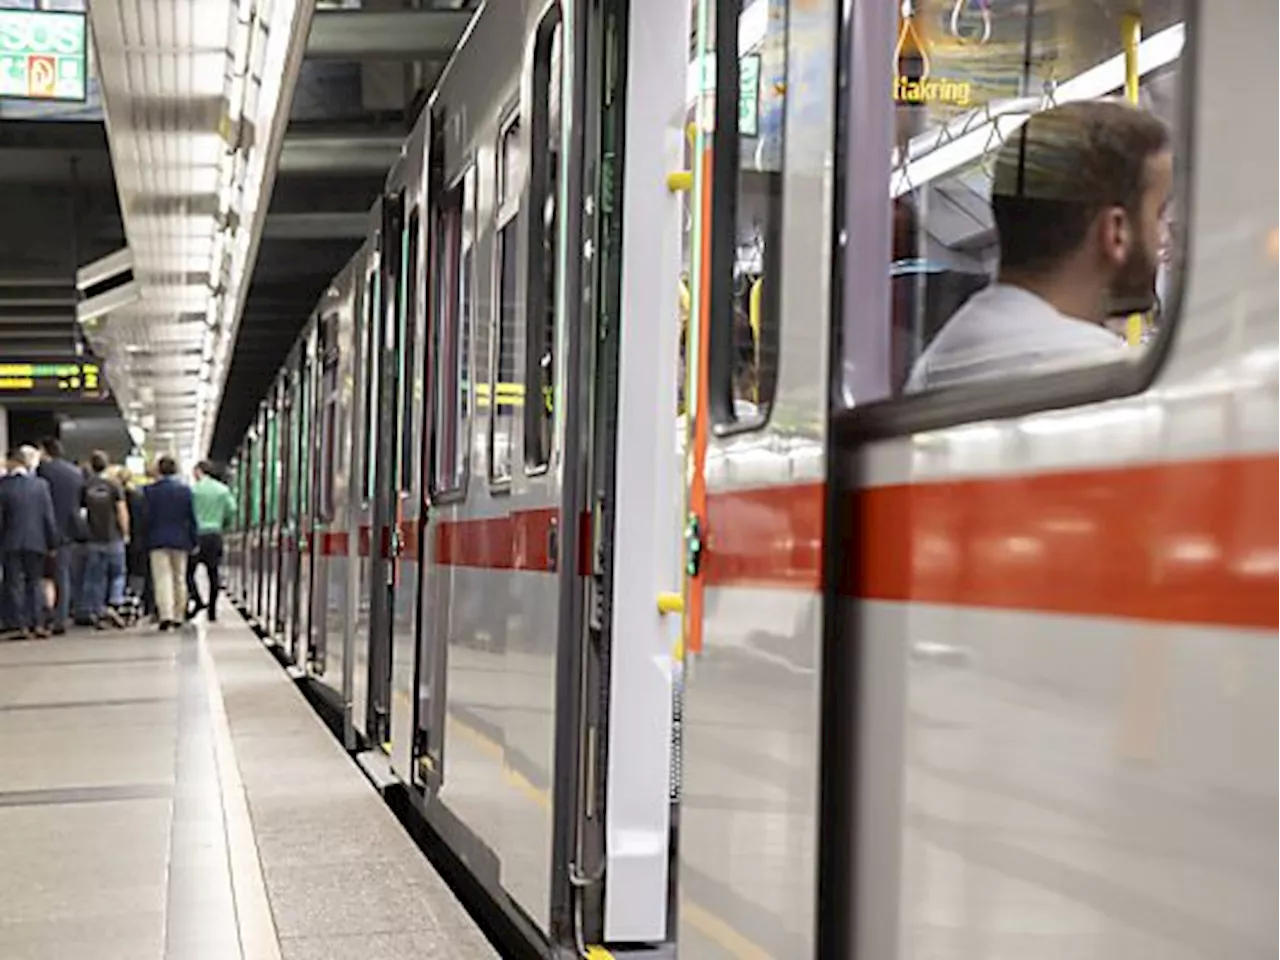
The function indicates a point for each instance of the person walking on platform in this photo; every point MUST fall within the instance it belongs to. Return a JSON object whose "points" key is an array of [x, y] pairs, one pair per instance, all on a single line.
{"points": [[107, 519], [137, 562], [215, 507], [66, 486], [171, 537], [29, 534]]}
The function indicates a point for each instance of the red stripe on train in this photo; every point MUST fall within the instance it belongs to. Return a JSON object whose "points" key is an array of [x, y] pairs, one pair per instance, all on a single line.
{"points": [[1192, 542], [1188, 542]]}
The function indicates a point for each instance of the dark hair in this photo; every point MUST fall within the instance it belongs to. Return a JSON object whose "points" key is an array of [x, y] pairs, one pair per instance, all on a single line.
{"points": [[99, 461], [15, 456], [52, 446], [1061, 169], [167, 466], [205, 467]]}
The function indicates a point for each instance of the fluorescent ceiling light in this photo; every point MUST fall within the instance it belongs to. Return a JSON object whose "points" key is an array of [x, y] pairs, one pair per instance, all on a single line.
{"points": [[1153, 53]]}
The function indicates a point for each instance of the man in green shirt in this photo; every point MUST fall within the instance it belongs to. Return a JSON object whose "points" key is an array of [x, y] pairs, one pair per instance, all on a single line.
{"points": [[215, 509]]}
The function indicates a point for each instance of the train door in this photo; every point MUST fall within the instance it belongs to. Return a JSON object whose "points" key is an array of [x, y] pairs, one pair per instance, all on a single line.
{"points": [[260, 521], [290, 452], [276, 447], [253, 532], [235, 541], [762, 77], [385, 540], [411, 379], [302, 629], [327, 560], [593, 320], [370, 368]]}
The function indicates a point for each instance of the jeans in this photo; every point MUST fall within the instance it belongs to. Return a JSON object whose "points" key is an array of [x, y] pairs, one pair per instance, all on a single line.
{"points": [[66, 557], [103, 577], [210, 554], [23, 570]]}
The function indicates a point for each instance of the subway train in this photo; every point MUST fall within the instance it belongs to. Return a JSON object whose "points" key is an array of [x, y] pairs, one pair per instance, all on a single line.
{"points": [[592, 498]]}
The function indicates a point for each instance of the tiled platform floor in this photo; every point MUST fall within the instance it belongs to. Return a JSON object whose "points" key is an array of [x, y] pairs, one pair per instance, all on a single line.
{"points": [[173, 796]]}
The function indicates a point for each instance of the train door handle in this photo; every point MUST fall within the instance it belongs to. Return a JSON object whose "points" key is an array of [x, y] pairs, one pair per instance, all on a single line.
{"points": [[553, 545]]}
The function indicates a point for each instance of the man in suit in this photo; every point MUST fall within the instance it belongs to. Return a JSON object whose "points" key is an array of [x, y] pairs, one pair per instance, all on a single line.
{"points": [[29, 532], [66, 485], [171, 537]]}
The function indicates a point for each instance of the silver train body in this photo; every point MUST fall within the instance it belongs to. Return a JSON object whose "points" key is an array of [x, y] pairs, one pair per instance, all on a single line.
{"points": [[982, 673]]}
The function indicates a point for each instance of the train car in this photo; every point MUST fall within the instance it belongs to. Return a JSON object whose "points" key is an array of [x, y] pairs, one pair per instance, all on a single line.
{"points": [[982, 669]]}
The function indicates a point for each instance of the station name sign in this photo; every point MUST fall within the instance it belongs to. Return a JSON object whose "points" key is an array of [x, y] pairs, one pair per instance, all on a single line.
{"points": [[43, 55], [68, 380]]}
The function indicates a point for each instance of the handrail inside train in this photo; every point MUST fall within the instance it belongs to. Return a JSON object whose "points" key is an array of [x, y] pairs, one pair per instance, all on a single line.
{"points": [[936, 152]]}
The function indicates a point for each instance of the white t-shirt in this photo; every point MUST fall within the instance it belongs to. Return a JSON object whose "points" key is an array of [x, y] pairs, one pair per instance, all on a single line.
{"points": [[1005, 331]]}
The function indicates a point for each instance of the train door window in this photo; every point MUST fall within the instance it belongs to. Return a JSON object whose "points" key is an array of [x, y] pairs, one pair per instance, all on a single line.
{"points": [[746, 246], [451, 331], [409, 270], [1031, 187], [372, 370], [272, 467], [329, 415], [253, 480], [505, 388], [544, 245]]}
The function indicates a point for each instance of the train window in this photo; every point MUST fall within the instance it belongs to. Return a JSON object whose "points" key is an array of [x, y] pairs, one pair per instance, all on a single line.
{"points": [[504, 392], [272, 468], [1031, 187], [746, 249], [302, 444], [544, 245], [370, 339], [508, 162], [328, 416], [450, 330], [404, 347], [505, 388]]}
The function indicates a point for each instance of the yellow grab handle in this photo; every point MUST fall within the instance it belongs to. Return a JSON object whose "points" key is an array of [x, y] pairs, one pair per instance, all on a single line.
{"points": [[680, 181], [670, 603]]}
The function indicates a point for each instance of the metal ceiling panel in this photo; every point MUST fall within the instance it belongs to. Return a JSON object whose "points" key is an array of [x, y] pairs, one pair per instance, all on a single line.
{"points": [[176, 78]]}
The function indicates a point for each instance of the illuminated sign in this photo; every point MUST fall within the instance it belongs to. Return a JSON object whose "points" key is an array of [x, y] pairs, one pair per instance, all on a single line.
{"points": [[72, 380], [42, 55], [912, 84], [926, 90]]}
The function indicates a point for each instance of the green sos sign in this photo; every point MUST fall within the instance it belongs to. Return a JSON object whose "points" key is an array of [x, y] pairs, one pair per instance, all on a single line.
{"points": [[42, 55]]}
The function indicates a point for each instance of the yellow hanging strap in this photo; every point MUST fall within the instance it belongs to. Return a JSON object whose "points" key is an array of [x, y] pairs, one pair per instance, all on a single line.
{"points": [[1130, 38]]}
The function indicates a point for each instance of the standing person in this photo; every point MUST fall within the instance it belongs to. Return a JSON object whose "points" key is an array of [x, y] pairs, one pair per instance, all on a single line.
{"points": [[66, 486], [171, 537], [215, 508], [29, 533], [49, 582], [137, 563], [107, 520]]}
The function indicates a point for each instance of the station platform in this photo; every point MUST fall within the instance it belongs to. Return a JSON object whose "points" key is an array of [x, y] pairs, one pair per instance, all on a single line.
{"points": [[173, 796]]}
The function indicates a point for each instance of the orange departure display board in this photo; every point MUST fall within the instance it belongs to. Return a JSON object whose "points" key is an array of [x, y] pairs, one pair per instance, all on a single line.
{"points": [[66, 379]]}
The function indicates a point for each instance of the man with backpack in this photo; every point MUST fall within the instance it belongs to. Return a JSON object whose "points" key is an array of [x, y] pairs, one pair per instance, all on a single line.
{"points": [[107, 522]]}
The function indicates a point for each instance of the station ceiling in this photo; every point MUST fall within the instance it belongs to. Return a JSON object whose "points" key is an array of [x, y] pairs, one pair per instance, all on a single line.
{"points": [[237, 196], [365, 73]]}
